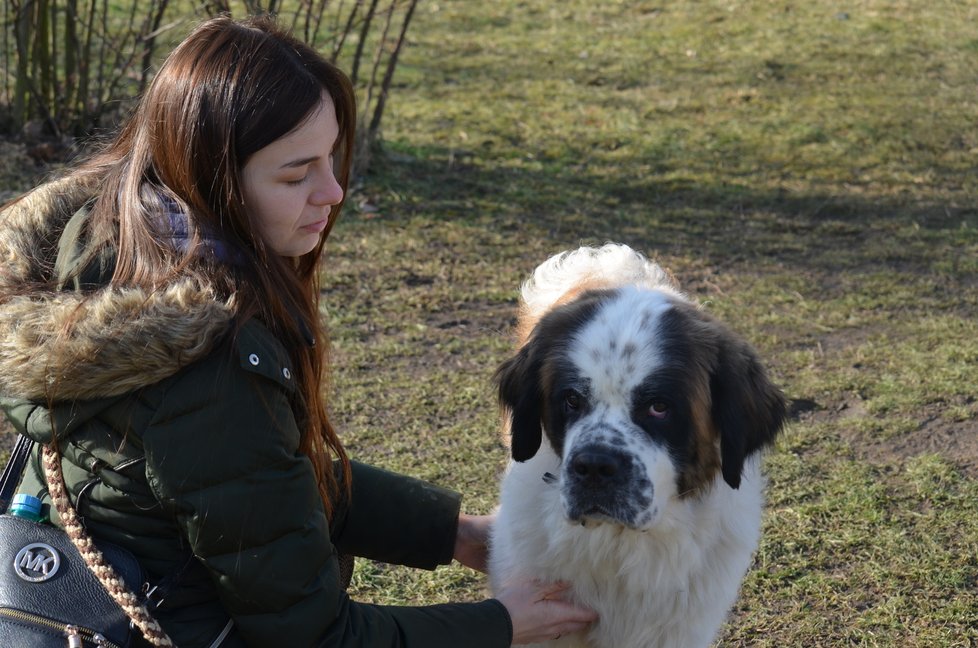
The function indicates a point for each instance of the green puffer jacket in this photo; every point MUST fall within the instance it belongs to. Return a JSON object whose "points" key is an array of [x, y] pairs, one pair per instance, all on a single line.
{"points": [[179, 444]]}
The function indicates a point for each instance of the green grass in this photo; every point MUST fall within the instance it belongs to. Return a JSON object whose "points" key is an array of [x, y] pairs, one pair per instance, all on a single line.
{"points": [[805, 169], [807, 174]]}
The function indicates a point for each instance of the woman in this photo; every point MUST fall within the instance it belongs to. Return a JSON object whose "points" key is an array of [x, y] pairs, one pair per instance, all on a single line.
{"points": [[159, 320]]}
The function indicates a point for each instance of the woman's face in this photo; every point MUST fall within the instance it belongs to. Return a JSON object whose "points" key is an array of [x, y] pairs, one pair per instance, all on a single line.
{"points": [[289, 186]]}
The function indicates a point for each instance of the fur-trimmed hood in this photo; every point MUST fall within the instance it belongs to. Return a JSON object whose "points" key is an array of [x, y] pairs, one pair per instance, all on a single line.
{"points": [[120, 339]]}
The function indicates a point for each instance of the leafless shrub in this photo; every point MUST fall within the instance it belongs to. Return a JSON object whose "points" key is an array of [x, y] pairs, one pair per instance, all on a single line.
{"points": [[71, 66]]}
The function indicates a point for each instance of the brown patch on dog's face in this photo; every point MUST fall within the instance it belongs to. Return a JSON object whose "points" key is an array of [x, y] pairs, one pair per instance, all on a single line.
{"points": [[737, 410], [525, 381], [704, 442]]}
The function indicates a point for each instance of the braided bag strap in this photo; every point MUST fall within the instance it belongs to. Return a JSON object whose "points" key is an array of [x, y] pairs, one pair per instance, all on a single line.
{"points": [[93, 558]]}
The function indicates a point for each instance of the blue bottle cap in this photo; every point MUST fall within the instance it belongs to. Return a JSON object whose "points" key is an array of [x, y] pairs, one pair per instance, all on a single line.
{"points": [[25, 505]]}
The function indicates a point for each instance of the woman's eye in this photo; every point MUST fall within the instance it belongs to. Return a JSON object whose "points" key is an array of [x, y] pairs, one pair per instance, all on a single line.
{"points": [[297, 181], [658, 410]]}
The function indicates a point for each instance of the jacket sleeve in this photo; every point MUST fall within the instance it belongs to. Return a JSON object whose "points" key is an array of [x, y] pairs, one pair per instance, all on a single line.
{"points": [[397, 519], [222, 455]]}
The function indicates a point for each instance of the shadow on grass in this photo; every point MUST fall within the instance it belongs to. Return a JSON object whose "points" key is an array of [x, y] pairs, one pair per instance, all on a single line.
{"points": [[724, 223]]}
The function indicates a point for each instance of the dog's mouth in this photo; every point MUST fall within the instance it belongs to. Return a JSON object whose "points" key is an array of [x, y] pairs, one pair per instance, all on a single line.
{"points": [[590, 516], [601, 486], [593, 515]]}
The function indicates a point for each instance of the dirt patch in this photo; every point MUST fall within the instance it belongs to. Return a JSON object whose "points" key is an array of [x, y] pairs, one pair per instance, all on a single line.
{"points": [[955, 441]]}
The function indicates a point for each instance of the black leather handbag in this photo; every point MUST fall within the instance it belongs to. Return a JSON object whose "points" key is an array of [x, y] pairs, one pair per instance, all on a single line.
{"points": [[49, 594]]}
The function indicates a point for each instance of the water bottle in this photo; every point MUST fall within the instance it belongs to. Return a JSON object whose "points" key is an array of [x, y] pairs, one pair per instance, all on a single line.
{"points": [[27, 507]]}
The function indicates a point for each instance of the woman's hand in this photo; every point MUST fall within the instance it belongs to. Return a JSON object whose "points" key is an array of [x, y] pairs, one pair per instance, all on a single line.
{"points": [[541, 611], [472, 540]]}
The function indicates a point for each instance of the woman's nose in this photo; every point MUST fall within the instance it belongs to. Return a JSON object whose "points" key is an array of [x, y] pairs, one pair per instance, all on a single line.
{"points": [[329, 191]]}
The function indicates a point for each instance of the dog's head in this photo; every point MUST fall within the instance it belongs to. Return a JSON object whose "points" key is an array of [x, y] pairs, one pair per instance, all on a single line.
{"points": [[643, 396]]}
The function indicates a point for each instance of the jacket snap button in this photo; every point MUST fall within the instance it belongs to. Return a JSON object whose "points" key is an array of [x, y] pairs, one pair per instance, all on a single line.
{"points": [[253, 359], [287, 373]]}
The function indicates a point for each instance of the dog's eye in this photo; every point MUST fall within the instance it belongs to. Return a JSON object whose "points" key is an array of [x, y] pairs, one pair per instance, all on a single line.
{"points": [[658, 410], [572, 401]]}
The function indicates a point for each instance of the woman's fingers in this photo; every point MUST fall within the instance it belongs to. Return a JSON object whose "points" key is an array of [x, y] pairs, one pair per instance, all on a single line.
{"points": [[543, 611]]}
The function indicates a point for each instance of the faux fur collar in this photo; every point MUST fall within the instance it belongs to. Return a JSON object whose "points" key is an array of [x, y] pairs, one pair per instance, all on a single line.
{"points": [[121, 340]]}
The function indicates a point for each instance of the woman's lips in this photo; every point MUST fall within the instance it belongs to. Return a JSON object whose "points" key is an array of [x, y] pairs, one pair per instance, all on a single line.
{"points": [[315, 227]]}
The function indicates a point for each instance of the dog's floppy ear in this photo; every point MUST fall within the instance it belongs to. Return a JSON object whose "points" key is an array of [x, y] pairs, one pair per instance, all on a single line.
{"points": [[748, 409], [521, 397]]}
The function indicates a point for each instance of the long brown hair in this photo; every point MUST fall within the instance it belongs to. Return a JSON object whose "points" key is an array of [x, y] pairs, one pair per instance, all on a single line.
{"points": [[228, 90]]}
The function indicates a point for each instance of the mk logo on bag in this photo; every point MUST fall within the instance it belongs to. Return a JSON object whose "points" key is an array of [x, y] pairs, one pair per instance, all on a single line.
{"points": [[37, 562]]}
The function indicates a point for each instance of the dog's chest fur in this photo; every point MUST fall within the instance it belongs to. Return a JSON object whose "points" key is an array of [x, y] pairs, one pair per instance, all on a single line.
{"points": [[670, 587]]}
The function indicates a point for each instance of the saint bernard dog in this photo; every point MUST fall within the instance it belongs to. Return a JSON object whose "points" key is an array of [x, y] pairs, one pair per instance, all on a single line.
{"points": [[636, 423]]}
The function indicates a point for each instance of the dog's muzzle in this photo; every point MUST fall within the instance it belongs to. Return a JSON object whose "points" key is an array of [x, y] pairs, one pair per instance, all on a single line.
{"points": [[599, 485]]}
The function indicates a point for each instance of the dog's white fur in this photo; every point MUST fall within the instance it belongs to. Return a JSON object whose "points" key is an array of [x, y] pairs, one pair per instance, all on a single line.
{"points": [[669, 574]]}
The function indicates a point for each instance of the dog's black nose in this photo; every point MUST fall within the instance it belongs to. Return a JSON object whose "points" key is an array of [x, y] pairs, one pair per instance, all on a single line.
{"points": [[600, 485], [596, 465]]}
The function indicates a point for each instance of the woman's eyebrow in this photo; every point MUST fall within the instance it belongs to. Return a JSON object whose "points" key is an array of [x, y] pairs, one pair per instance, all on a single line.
{"points": [[300, 162]]}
